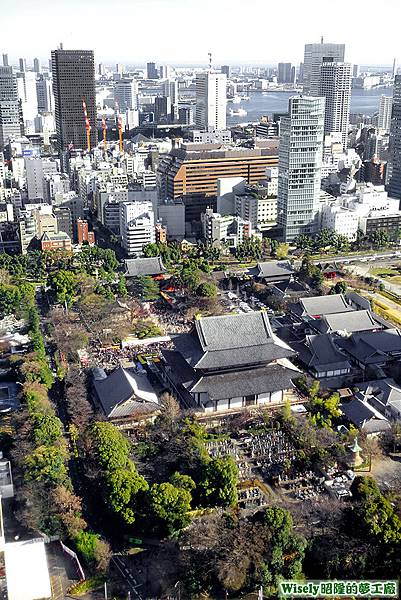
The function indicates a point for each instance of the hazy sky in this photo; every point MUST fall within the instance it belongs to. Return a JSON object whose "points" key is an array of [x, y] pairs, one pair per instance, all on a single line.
{"points": [[184, 31]]}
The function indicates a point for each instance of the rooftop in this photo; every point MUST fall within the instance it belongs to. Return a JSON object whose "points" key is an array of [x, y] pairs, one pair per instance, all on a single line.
{"points": [[124, 387], [318, 306], [135, 267], [350, 322], [275, 269], [231, 341], [27, 571]]}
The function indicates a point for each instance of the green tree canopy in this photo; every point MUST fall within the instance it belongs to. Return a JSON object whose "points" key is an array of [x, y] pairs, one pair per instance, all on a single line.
{"points": [[219, 483], [169, 507]]}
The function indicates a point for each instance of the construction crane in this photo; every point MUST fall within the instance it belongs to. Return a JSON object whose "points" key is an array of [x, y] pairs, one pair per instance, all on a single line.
{"points": [[104, 127], [87, 126]]}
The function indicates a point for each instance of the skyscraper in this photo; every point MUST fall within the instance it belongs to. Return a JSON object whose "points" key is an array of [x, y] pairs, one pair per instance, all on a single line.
{"points": [[394, 167], [73, 82], [151, 71], [385, 106], [22, 65], [44, 93], [10, 108], [126, 94], [299, 167], [226, 70], [36, 65], [5, 60], [211, 101], [335, 86], [313, 59], [284, 73]]}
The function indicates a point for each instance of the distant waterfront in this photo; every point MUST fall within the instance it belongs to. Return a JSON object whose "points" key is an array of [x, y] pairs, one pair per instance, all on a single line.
{"points": [[267, 103]]}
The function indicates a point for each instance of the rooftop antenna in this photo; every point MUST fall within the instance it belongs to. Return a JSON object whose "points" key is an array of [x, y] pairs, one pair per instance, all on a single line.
{"points": [[210, 61]]}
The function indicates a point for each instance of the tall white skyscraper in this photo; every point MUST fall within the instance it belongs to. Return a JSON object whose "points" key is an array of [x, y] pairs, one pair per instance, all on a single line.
{"points": [[10, 110], [126, 94], [385, 108], [211, 101], [313, 58], [299, 167], [335, 86], [27, 93]]}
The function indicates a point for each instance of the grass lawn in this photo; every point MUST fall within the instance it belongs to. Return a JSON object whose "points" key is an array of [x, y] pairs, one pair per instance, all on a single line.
{"points": [[384, 271]]}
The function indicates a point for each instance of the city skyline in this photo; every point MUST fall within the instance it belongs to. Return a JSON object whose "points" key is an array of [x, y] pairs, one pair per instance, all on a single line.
{"points": [[68, 23]]}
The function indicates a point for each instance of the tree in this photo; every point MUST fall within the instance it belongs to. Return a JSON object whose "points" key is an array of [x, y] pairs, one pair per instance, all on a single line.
{"points": [[122, 287], [184, 482], [69, 507], [95, 551], [190, 276], [169, 507], [218, 486], [47, 429], [47, 464], [282, 251], [10, 298], [122, 487], [206, 290], [109, 446], [64, 286], [146, 288], [339, 288]]}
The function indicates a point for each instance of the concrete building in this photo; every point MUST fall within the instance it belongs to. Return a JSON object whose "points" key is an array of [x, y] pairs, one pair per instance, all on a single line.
{"points": [[335, 86], [44, 94], [55, 241], [394, 166], [229, 229], [172, 216], [137, 226], [300, 164], [256, 205], [26, 83], [83, 233], [126, 94], [64, 220], [211, 137], [313, 59], [195, 168], [11, 125], [225, 69], [385, 108], [369, 209], [151, 71], [211, 101], [54, 183], [285, 73], [163, 109], [74, 80], [36, 169]]}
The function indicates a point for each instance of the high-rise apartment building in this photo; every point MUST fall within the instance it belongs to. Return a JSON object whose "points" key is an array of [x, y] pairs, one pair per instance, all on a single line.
{"points": [[285, 73], [22, 65], [5, 60], [10, 108], [211, 101], [313, 58], [385, 108], [137, 226], [335, 86], [162, 109], [151, 71], [36, 65], [126, 94], [73, 82], [394, 166], [300, 164]]}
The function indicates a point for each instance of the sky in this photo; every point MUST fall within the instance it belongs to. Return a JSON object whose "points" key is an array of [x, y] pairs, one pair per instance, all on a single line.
{"points": [[182, 32]]}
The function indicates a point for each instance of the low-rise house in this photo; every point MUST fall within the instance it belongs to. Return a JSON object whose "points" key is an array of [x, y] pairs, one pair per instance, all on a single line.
{"points": [[124, 394], [384, 395], [365, 417], [229, 362], [319, 355], [372, 349]]}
